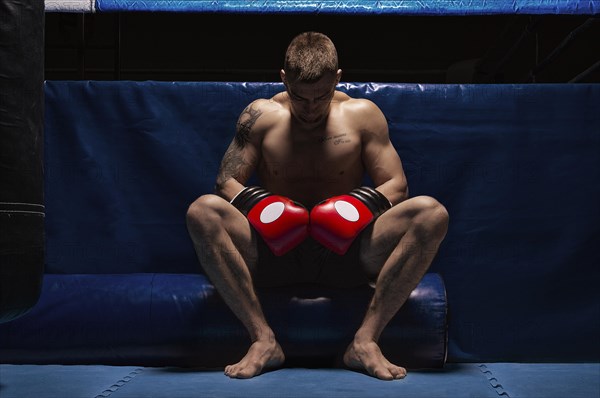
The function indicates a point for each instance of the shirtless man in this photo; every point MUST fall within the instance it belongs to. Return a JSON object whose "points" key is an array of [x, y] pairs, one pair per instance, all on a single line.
{"points": [[310, 147]]}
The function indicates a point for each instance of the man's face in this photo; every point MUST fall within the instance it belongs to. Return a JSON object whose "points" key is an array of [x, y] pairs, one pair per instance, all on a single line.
{"points": [[310, 102]]}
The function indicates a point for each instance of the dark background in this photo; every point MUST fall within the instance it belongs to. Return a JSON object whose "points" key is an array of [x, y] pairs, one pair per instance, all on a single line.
{"points": [[371, 48]]}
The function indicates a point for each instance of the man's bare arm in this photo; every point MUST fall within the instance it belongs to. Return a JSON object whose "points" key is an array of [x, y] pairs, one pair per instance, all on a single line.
{"points": [[242, 155], [381, 159]]}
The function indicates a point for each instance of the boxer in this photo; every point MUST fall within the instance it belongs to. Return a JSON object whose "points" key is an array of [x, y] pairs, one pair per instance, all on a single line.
{"points": [[310, 218]]}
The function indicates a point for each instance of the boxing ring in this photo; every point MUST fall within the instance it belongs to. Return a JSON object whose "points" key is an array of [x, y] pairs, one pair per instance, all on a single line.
{"points": [[510, 306]]}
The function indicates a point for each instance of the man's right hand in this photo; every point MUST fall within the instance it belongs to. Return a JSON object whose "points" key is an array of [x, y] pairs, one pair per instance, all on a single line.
{"points": [[282, 222]]}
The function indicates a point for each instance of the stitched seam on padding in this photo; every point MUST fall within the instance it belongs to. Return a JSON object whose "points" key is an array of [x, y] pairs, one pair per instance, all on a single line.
{"points": [[106, 393], [493, 381]]}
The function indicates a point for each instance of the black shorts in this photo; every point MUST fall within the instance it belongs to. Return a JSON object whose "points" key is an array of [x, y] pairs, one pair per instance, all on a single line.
{"points": [[309, 263]]}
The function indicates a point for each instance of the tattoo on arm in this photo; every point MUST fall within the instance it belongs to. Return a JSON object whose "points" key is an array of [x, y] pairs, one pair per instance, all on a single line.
{"points": [[232, 165], [244, 125], [235, 163]]}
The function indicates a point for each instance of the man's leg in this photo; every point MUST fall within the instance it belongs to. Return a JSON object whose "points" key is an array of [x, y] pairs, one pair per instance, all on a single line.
{"points": [[226, 248], [398, 249]]}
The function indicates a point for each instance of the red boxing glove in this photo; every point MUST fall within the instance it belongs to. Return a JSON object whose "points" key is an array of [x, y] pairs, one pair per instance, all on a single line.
{"points": [[337, 221], [281, 222]]}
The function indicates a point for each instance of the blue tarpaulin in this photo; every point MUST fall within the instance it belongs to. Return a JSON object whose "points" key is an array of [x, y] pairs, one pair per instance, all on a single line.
{"points": [[358, 7]]}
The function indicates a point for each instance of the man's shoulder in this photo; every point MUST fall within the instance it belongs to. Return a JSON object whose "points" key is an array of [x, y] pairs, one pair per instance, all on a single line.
{"points": [[261, 106], [262, 114], [362, 110], [359, 104], [265, 104], [365, 117]]}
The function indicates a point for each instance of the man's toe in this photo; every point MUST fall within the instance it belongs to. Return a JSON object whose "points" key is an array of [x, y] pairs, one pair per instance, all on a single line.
{"points": [[397, 372], [383, 374]]}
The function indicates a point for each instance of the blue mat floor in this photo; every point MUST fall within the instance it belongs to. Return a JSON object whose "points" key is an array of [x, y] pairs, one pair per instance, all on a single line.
{"points": [[455, 380]]}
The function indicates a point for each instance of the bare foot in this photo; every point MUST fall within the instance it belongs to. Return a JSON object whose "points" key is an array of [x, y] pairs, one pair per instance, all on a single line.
{"points": [[367, 356], [261, 356]]}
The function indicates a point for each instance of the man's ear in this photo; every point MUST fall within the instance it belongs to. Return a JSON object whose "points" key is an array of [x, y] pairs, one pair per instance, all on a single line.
{"points": [[338, 76], [282, 76]]}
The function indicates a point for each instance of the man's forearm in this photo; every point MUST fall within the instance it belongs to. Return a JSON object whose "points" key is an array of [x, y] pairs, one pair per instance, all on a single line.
{"points": [[227, 189], [396, 191]]}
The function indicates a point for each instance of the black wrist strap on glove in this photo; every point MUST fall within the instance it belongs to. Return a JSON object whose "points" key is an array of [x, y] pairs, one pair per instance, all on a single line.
{"points": [[248, 197], [373, 199]]}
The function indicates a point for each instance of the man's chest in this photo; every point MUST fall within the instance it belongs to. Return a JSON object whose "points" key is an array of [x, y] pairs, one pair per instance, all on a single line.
{"points": [[319, 157]]}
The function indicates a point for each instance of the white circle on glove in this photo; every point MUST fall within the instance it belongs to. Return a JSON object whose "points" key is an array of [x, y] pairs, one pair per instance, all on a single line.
{"points": [[272, 212], [346, 210]]}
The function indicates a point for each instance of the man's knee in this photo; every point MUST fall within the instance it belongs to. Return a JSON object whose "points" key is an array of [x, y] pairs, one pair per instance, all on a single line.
{"points": [[205, 212], [431, 218]]}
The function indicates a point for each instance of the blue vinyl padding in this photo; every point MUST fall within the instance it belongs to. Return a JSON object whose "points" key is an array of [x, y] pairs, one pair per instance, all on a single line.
{"points": [[493, 380], [359, 7], [454, 381], [57, 381], [517, 166], [123, 161], [179, 320], [548, 380]]}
